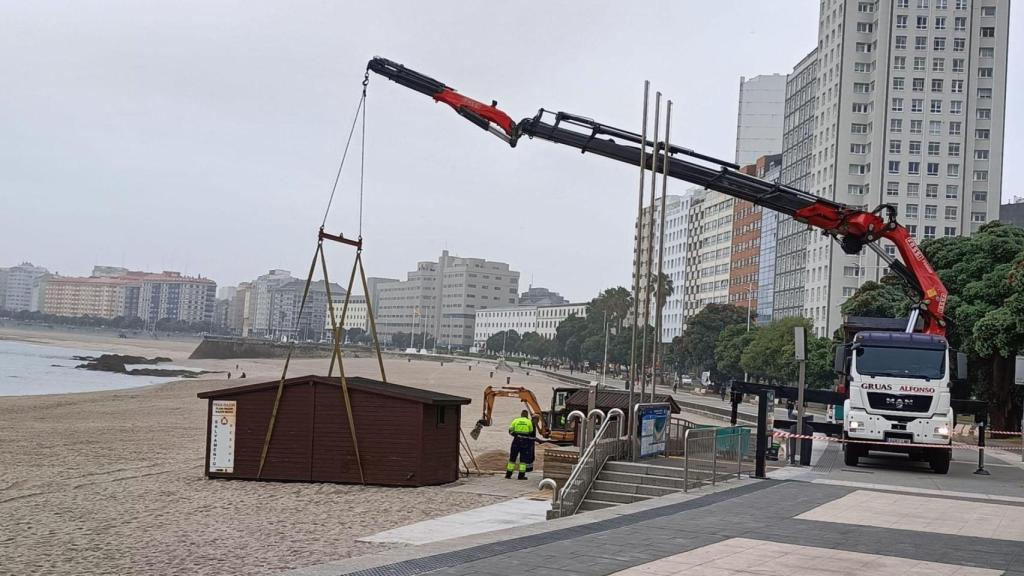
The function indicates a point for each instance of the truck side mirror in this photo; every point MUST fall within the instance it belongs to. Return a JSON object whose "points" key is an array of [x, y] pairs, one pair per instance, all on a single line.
{"points": [[839, 364], [961, 366]]}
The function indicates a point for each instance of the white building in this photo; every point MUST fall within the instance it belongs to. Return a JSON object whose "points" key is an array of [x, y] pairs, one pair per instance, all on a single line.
{"points": [[491, 321], [24, 287], [549, 317], [759, 120], [356, 316], [259, 301], [677, 209], [910, 112], [709, 251]]}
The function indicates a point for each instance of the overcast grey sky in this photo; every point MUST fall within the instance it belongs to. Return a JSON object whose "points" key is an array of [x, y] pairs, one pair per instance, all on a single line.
{"points": [[203, 136]]}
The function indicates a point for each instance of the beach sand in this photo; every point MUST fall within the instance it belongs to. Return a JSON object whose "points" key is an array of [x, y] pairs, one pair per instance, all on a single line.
{"points": [[112, 482]]}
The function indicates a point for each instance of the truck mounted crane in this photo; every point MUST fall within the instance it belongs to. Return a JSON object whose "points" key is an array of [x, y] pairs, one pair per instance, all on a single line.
{"points": [[898, 384]]}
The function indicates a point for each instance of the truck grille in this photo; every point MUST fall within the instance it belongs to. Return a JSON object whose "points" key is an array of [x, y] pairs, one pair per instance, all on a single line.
{"points": [[899, 402]]}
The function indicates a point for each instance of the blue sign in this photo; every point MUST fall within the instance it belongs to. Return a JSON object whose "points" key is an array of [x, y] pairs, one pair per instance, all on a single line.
{"points": [[653, 420]]}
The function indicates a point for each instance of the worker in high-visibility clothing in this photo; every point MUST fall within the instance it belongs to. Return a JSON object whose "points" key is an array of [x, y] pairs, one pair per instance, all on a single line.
{"points": [[521, 430]]}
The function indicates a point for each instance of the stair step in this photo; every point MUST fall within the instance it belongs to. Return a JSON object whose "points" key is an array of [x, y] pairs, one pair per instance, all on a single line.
{"points": [[645, 468], [618, 497], [589, 504], [630, 488], [642, 479]]}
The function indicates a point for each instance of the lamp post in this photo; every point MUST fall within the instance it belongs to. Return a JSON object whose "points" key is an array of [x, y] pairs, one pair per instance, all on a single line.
{"points": [[749, 302]]}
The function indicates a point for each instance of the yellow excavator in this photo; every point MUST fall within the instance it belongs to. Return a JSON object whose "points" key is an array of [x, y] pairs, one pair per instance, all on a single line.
{"points": [[551, 426]]}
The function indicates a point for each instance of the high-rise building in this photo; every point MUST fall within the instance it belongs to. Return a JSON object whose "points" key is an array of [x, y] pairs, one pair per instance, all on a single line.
{"points": [[797, 160], [259, 301], [537, 296], [910, 112], [760, 117], [673, 267], [173, 296], [4, 273], [441, 298], [355, 317], [752, 243], [24, 285], [97, 296], [710, 250], [770, 170], [226, 292], [238, 310], [291, 319]]}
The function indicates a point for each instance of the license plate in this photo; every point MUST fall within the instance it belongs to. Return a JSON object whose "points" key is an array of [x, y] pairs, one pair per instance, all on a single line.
{"points": [[900, 440]]}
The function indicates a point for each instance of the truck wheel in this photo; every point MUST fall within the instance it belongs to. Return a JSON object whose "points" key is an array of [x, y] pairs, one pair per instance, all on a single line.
{"points": [[940, 461], [851, 454]]}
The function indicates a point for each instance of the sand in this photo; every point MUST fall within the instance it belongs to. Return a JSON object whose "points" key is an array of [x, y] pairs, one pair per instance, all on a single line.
{"points": [[112, 482]]}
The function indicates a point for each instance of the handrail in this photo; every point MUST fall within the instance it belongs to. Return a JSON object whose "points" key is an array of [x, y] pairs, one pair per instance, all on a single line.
{"points": [[603, 447]]}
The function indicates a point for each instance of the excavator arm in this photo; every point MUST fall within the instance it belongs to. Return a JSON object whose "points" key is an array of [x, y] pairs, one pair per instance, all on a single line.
{"points": [[523, 394], [852, 227]]}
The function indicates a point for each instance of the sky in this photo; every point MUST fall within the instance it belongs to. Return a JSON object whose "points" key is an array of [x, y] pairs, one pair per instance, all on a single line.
{"points": [[204, 136]]}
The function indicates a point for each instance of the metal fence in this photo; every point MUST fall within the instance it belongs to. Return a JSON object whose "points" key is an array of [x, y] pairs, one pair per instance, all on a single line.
{"points": [[607, 444], [713, 454], [677, 427]]}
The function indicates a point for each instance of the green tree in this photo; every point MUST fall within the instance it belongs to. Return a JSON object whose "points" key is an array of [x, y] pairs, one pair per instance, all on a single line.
{"points": [[616, 302], [701, 336], [771, 354], [885, 299], [507, 341], [729, 350]]}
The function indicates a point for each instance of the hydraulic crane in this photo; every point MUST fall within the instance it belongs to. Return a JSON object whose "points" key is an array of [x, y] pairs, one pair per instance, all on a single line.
{"points": [[898, 385], [853, 228]]}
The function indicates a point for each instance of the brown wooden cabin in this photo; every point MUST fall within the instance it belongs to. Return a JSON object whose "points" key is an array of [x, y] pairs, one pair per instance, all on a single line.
{"points": [[406, 436]]}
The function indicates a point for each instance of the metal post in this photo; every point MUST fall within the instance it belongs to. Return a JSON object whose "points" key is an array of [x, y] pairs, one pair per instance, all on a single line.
{"points": [[762, 435], [800, 406], [659, 298], [604, 363], [714, 458], [636, 265], [650, 250], [981, 451], [739, 453], [686, 460]]}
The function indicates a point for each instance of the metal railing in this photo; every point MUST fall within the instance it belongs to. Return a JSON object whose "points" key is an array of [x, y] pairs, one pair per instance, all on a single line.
{"points": [[677, 428], [711, 454], [608, 443]]}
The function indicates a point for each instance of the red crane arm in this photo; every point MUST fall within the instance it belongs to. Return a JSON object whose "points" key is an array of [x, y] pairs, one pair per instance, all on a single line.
{"points": [[852, 227]]}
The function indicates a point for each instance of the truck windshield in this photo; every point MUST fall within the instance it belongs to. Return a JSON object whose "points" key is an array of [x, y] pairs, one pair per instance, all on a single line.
{"points": [[901, 362]]}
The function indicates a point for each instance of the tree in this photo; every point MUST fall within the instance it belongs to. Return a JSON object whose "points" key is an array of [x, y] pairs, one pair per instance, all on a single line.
{"points": [[664, 288], [617, 303], [729, 350], [505, 341], [885, 299], [701, 336]]}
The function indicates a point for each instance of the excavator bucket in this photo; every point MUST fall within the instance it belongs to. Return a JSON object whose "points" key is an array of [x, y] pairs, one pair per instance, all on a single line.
{"points": [[475, 432]]}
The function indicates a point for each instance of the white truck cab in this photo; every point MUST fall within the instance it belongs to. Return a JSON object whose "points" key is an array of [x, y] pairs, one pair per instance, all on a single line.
{"points": [[899, 388]]}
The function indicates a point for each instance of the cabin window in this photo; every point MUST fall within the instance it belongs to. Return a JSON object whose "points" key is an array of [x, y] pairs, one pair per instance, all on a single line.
{"points": [[440, 415]]}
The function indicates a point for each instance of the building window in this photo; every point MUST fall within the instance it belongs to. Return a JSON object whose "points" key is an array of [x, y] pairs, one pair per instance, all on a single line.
{"points": [[903, 3], [953, 149], [913, 189], [956, 86], [988, 32], [915, 148], [929, 232], [911, 210], [984, 93], [984, 72], [978, 216], [864, 47], [858, 128], [855, 189], [981, 154], [913, 168], [858, 148], [956, 106], [852, 271], [895, 146], [861, 108], [952, 191], [918, 85], [922, 4], [892, 189], [984, 113], [958, 65], [988, 10], [960, 23], [866, 7], [953, 170], [897, 84], [933, 149], [961, 4], [894, 166], [931, 191], [959, 44], [920, 43], [980, 175], [940, 22], [858, 169], [980, 196], [982, 133], [936, 107], [912, 229], [895, 125], [938, 64], [986, 52], [901, 43], [954, 128], [901, 21], [865, 27], [863, 66], [862, 87], [950, 231], [935, 127], [897, 105], [922, 23], [917, 104], [937, 86], [951, 213], [939, 44], [931, 212]]}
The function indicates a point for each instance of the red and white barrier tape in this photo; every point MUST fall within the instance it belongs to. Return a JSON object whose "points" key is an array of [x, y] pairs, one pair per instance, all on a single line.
{"points": [[780, 434], [1004, 432]]}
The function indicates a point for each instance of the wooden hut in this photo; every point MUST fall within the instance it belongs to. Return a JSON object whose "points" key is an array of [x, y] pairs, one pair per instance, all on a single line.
{"points": [[406, 436]]}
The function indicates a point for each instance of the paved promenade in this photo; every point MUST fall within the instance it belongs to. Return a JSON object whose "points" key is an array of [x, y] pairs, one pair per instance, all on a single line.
{"points": [[825, 519]]}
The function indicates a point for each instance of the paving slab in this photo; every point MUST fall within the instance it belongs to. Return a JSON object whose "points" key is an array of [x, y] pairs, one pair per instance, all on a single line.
{"points": [[517, 512]]}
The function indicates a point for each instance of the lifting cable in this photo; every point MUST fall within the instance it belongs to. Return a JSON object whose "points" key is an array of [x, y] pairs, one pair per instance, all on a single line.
{"points": [[336, 325]]}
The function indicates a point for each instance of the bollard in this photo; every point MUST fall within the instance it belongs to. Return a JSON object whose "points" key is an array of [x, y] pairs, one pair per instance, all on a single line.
{"points": [[981, 451], [470, 367], [442, 364], [492, 374], [508, 380]]}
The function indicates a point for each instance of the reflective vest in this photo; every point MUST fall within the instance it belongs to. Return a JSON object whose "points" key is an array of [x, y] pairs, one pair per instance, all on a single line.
{"points": [[521, 425]]}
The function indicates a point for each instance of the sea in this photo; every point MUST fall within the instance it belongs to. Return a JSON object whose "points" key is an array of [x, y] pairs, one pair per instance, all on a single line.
{"points": [[29, 369]]}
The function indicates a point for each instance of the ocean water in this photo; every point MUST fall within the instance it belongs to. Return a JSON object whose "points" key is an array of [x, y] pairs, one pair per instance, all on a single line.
{"points": [[29, 369]]}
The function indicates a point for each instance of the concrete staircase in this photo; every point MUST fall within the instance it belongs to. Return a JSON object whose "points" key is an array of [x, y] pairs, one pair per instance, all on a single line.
{"points": [[626, 482]]}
